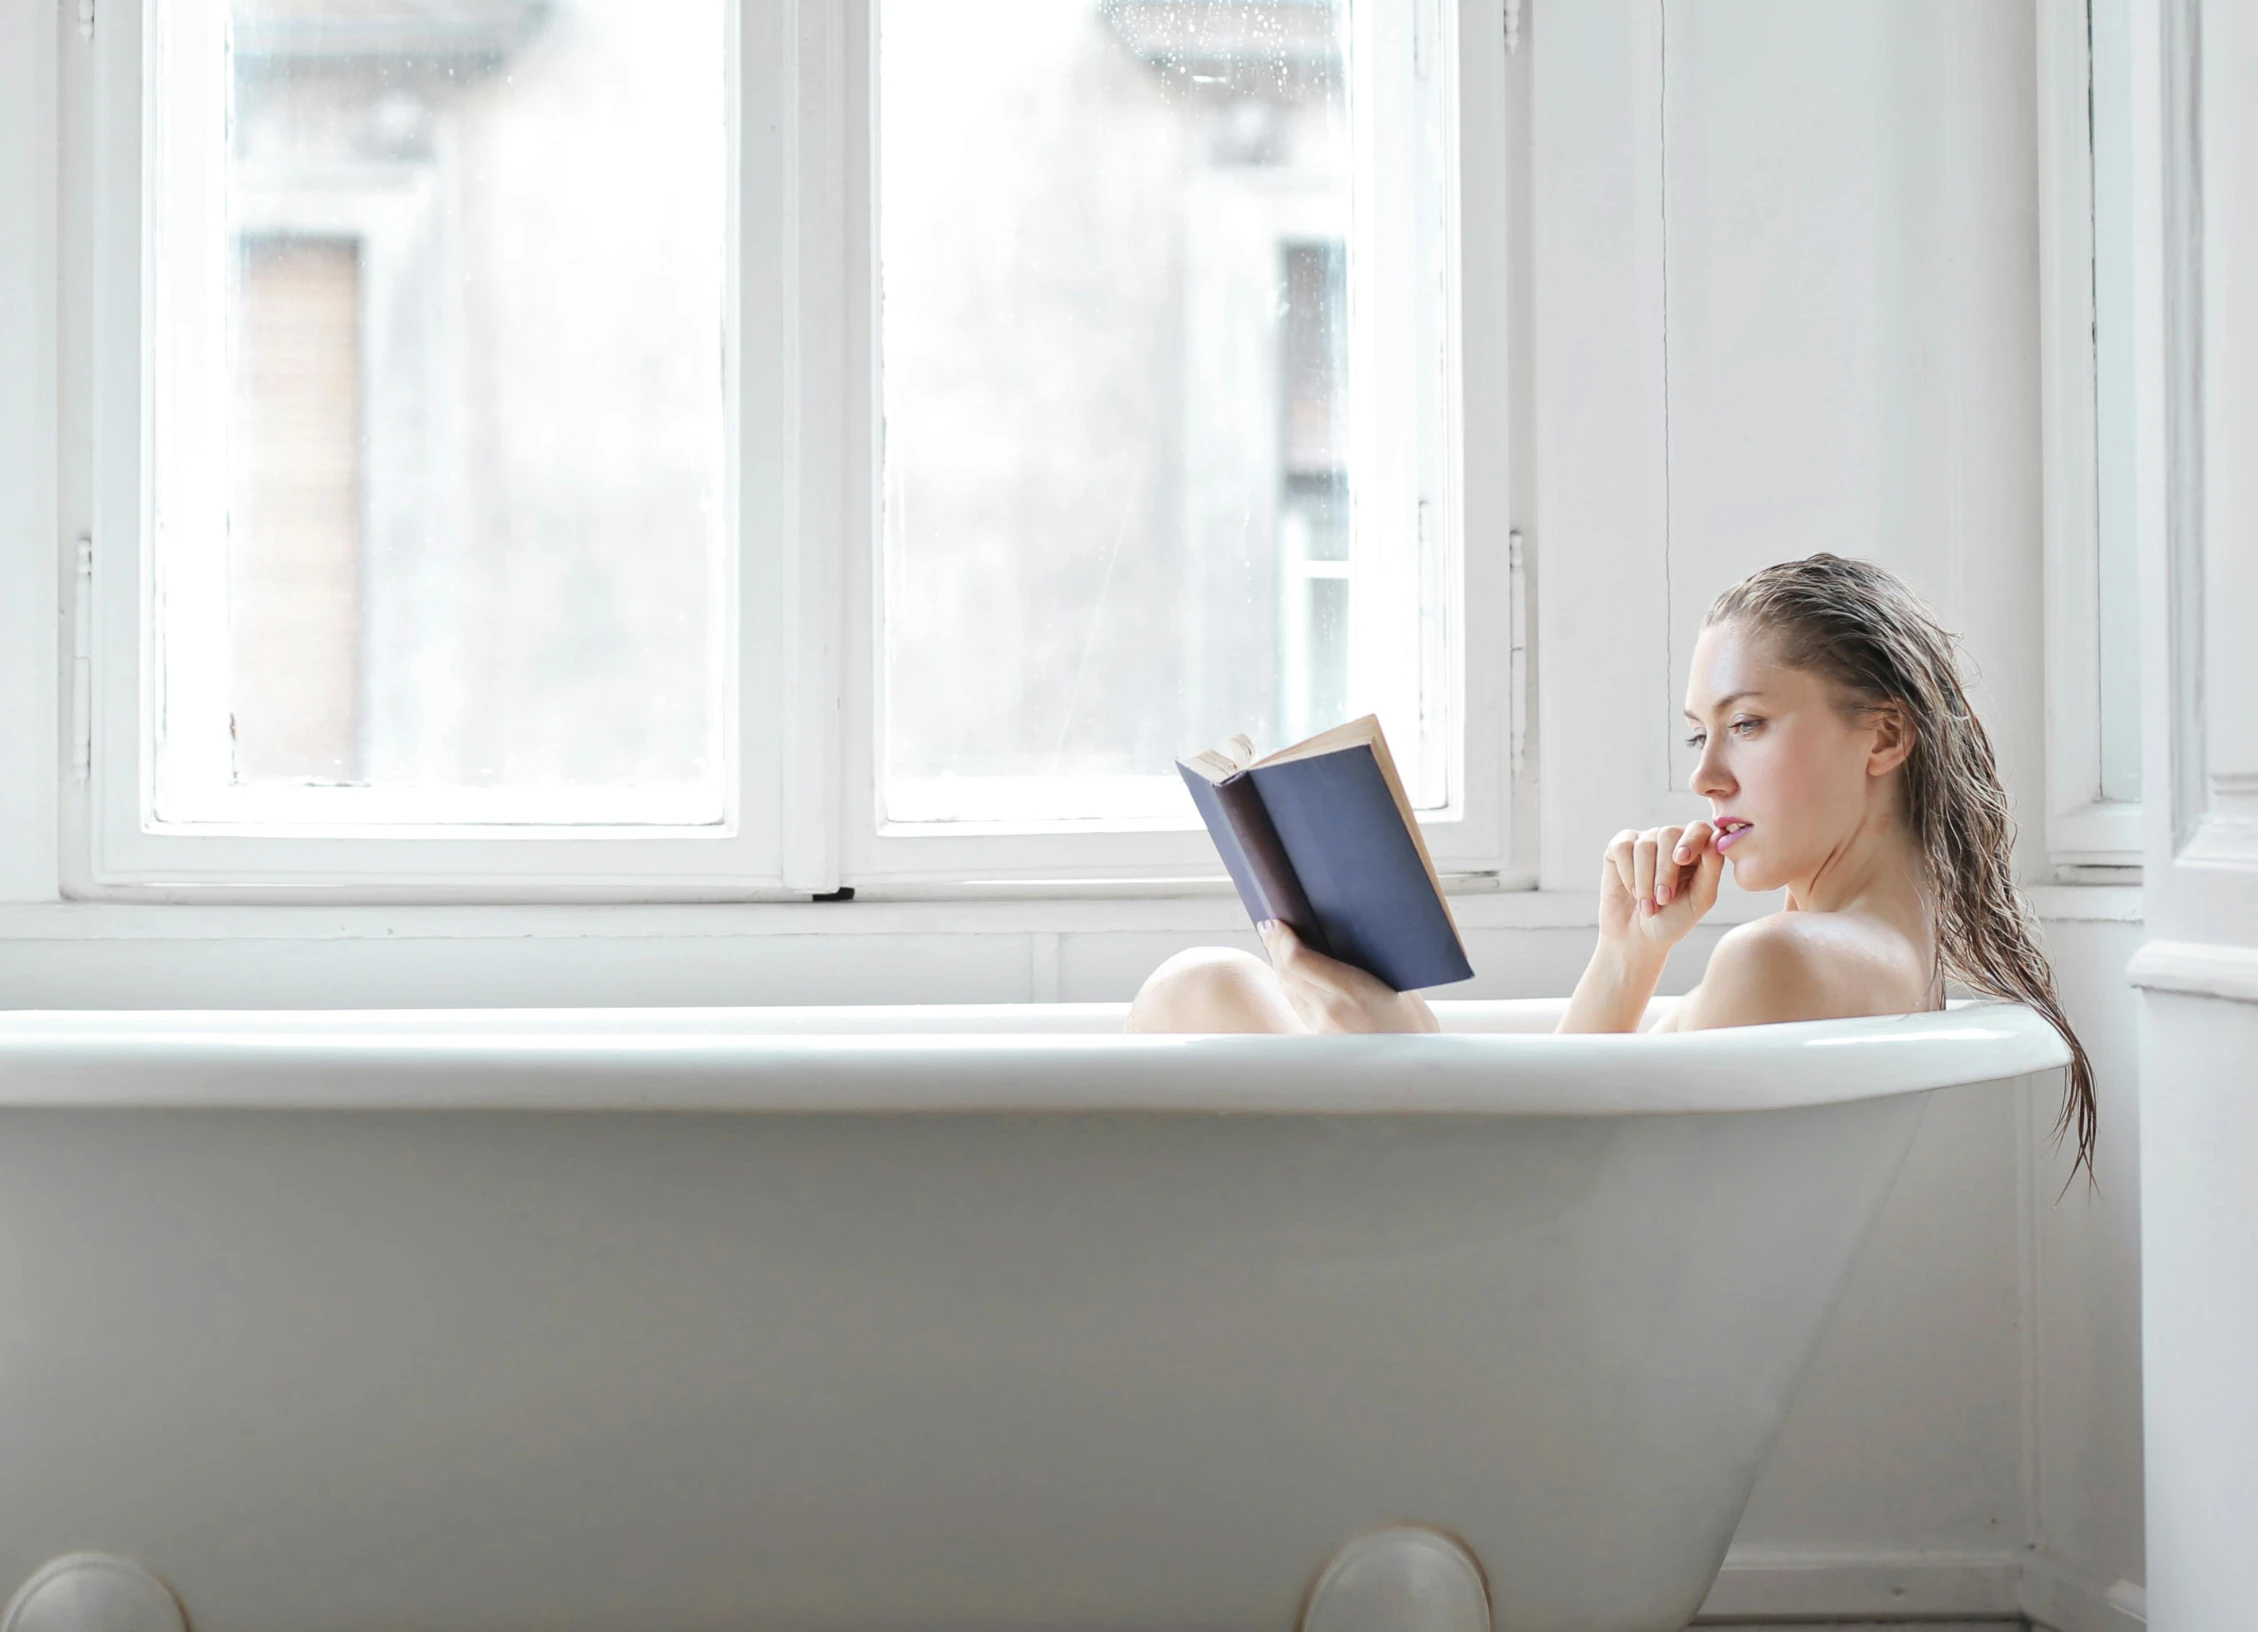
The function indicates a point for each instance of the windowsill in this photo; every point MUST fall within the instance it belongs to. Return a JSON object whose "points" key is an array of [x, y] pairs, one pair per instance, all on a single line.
{"points": [[2086, 903]]}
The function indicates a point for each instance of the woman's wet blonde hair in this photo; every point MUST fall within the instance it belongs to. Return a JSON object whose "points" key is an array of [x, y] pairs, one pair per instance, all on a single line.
{"points": [[1858, 626]]}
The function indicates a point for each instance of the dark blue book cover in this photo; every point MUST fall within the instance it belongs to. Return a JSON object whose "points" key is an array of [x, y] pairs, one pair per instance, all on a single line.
{"points": [[1325, 843]]}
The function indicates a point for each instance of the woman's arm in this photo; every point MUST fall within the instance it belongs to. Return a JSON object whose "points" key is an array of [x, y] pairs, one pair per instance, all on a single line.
{"points": [[1618, 984], [1653, 888]]}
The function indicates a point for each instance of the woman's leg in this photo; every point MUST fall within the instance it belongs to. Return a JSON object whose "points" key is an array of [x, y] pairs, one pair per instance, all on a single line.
{"points": [[1212, 988]]}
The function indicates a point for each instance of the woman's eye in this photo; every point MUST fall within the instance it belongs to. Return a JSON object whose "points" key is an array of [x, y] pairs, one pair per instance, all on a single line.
{"points": [[1696, 741], [1746, 727]]}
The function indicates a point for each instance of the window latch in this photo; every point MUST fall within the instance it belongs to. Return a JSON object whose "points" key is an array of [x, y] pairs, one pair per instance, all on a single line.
{"points": [[1517, 651]]}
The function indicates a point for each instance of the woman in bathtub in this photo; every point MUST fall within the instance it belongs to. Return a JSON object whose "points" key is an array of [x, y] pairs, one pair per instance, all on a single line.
{"points": [[1842, 760]]}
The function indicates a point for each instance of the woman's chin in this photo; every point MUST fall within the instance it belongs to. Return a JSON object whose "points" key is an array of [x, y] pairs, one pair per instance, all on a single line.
{"points": [[1749, 874]]}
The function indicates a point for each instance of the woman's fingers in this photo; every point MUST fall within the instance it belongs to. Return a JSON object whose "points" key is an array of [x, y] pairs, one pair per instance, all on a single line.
{"points": [[1331, 995], [1660, 867], [1303, 972], [1615, 865], [1642, 870], [1709, 867], [1693, 882], [1294, 961], [1287, 956], [1687, 846], [1655, 870], [1666, 865]]}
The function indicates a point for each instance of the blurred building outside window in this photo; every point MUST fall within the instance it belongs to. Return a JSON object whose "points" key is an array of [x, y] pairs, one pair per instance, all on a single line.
{"points": [[1116, 258], [469, 264]]}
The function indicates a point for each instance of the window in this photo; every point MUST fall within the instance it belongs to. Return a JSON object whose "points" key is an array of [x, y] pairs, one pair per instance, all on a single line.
{"points": [[2092, 578], [498, 495]]}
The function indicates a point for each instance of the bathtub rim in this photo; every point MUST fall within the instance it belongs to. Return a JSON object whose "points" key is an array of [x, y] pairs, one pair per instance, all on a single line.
{"points": [[923, 1062]]}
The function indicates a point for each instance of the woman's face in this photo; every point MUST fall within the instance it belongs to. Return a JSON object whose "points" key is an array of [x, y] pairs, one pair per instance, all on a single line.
{"points": [[1789, 780]]}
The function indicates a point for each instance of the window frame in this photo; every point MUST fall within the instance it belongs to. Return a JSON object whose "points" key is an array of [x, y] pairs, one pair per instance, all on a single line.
{"points": [[2083, 308], [801, 398], [36, 423]]}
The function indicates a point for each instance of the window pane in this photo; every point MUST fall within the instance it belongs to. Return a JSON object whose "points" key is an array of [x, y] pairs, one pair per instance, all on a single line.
{"points": [[463, 559], [1115, 257]]}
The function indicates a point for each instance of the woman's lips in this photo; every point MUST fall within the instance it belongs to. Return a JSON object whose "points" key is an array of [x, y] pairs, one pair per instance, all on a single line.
{"points": [[1729, 831]]}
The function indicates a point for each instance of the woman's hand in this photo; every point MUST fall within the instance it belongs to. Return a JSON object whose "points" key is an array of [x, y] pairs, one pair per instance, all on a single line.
{"points": [[1328, 995], [1655, 886]]}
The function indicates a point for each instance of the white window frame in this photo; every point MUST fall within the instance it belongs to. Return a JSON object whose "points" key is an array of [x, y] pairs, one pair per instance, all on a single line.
{"points": [[803, 433], [2083, 457]]}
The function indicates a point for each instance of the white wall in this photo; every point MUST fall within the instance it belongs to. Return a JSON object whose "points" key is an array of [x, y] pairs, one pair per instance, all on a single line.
{"points": [[2083, 1294], [2196, 145]]}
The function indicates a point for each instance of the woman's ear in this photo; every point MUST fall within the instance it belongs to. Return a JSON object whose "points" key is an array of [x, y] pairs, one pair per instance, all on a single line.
{"points": [[1893, 739]]}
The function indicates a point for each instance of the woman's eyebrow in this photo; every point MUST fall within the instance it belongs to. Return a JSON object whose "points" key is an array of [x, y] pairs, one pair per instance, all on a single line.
{"points": [[1726, 701]]}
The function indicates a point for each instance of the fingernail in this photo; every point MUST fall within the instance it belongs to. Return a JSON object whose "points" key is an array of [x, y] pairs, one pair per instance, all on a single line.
{"points": [[1682, 853]]}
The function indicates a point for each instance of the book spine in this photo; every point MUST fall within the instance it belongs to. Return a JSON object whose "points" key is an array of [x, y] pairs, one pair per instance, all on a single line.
{"points": [[1266, 858]]}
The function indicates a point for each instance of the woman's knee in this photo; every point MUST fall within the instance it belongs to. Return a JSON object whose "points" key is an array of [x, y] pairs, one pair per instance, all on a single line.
{"points": [[1212, 989]]}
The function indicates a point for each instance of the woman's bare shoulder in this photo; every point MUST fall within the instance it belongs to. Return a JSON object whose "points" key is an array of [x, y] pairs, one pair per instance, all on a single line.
{"points": [[1805, 966]]}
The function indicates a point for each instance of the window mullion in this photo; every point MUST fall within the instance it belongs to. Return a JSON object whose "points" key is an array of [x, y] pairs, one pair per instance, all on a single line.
{"points": [[1396, 517], [826, 48]]}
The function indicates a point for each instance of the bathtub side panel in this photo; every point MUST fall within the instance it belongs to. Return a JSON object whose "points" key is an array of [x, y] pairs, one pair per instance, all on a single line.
{"points": [[335, 1371]]}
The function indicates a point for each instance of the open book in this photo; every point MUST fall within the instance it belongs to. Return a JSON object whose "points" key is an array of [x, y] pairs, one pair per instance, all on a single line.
{"points": [[1320, 836]]}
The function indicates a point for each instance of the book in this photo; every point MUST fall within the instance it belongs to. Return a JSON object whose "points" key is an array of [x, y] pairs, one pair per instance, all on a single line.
{"points": [[1321, 837]]}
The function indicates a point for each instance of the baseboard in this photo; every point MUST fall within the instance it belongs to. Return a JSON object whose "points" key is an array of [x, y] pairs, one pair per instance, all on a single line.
{"points": [[1766, 1584], [2057, 1599]]}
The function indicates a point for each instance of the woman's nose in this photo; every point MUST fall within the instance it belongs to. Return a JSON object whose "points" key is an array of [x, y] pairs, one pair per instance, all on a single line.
{"points": [[1710, 778]]}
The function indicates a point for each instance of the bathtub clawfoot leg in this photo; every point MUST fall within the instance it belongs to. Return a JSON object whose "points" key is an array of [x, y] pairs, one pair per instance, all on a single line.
{"points": [[1405, 1579], [93, 1592]]}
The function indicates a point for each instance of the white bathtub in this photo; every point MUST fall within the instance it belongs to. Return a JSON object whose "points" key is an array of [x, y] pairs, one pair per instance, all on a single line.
{"points": [[943, 1318]]}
